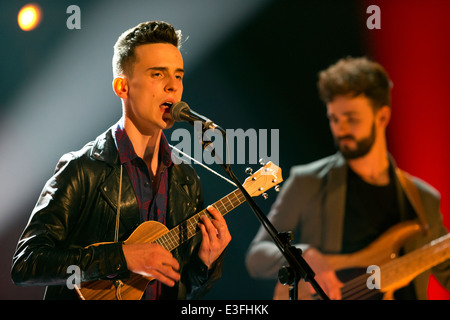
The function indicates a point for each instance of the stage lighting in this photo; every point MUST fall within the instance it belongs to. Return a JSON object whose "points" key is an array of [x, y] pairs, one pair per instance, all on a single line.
{"points": [[29, 17]]}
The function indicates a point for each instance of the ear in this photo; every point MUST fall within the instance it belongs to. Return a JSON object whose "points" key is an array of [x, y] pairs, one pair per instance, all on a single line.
{"points": [[384, 116], [120, 87]]}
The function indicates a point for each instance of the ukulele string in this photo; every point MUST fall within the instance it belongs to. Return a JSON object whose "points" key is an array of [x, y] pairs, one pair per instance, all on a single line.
{"points": [[172, 239]]}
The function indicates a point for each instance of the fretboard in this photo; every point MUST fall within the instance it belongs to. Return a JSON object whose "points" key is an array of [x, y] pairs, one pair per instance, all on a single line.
{"points": [[189, 228]]}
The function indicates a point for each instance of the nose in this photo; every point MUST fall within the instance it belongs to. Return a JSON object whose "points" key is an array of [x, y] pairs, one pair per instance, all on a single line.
{"points": [[340, 128], [173, 84]]}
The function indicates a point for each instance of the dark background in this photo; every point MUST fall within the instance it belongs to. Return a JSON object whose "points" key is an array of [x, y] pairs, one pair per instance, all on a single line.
{"points": [[250, 64]]}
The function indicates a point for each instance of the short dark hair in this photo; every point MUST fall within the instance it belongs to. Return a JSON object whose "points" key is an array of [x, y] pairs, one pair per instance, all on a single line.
{"points": [[144, 33], [355, 76]]}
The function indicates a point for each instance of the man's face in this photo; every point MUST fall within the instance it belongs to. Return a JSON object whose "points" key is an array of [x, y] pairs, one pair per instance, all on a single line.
{"points": [[353, 125], [156, 83]]}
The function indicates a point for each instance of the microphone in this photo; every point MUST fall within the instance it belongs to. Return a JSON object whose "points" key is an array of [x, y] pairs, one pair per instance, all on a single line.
{"points": [[180, 111]]}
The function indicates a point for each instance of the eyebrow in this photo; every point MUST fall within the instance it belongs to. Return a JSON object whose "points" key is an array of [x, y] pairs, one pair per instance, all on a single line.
{"points": [[350, 113], [165, 69], [347, 113]]}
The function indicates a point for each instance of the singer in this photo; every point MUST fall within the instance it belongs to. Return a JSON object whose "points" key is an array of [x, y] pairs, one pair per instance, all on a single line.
{"points": [[100, 194]]}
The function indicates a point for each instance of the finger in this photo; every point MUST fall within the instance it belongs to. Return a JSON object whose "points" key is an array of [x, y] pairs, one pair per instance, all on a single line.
{"points": [[337, 285], [169, 272], [322, 281], [166, 258], [215, 213], [218, 220], [202, 227], [220, 225], [222, 228], [168, 278], [332, 286], [217, 233], [172, 263], [209, 232], [210, 229]]}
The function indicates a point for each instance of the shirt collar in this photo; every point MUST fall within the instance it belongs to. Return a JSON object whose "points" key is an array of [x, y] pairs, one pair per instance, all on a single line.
{"points": [[126, 149]]}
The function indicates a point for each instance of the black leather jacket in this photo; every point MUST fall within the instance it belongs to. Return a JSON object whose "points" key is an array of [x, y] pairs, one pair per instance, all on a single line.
{"points": [[77, 208]]}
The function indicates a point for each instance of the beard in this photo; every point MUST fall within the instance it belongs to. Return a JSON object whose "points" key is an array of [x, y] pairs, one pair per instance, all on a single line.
{"points": [[363, 146]]}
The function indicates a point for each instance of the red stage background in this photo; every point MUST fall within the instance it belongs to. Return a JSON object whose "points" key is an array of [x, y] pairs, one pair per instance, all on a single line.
{"points": [[413, 45]]}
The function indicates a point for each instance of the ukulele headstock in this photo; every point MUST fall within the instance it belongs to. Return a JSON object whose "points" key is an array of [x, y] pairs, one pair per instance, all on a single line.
{"points": [[265, 178]]}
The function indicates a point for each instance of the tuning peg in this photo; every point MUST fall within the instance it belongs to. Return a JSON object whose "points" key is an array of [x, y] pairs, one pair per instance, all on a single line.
{"points": [[277, 188], [262, 162], [265, 196], [249, 171]]}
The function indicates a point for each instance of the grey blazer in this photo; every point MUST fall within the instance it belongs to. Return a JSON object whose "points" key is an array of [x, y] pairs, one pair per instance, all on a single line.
{"points": [[312, 205]]}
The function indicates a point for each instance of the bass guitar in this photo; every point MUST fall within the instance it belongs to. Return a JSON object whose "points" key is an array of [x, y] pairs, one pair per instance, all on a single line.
{"points": [[394, 272]]}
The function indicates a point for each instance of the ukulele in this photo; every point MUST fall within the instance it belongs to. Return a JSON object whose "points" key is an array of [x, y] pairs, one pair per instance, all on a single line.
{"points": [[154, 232]]}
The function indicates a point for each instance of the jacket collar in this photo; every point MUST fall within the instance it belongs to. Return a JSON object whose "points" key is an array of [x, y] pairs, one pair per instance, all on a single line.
{"points": [[104, 148], [334, 205]]}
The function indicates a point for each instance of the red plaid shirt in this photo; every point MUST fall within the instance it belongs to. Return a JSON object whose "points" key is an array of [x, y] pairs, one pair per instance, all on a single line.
{"points": [[152, 205]]}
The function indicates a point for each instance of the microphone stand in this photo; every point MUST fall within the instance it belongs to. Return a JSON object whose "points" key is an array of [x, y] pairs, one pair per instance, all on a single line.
{"points": [[298, 268]]}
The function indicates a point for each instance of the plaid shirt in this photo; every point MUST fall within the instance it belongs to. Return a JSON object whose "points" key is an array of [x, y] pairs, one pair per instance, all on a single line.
{"points": [[152, 203]]}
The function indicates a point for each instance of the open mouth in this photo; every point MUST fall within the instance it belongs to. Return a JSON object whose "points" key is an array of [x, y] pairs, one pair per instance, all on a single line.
{"points": [[167, 105]]}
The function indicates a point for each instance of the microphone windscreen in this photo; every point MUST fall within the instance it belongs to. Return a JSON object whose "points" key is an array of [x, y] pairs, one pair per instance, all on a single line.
{"points": [[177, 109]]}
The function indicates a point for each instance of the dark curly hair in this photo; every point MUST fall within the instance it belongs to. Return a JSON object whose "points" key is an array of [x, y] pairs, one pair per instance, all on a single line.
{"points": [[355, 76], [144, 33]]}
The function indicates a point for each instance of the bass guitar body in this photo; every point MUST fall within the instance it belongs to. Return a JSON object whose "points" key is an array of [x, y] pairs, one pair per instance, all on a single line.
{"points": [[394, 272]]}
